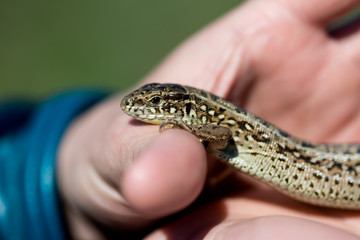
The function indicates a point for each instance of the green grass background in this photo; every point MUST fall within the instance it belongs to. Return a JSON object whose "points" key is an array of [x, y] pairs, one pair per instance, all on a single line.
{"points": [[48, 46]]}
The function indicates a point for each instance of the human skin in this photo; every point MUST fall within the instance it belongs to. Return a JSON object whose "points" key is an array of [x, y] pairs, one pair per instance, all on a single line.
{"points": [[273, 58]]}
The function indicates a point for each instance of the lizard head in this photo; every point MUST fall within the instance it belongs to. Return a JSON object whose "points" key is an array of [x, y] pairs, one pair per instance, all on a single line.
{"points": [[155, 102]]}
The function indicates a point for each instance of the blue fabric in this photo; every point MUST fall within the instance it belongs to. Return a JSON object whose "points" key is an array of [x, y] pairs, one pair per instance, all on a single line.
{"points": [[29, 138]]}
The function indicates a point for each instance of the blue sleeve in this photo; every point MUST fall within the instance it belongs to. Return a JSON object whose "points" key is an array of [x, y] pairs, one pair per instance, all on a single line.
{"points": [[29, 138]]}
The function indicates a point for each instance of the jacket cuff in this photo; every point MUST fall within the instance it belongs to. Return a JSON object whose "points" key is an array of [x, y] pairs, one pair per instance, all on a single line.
{"points": [[29, 198]]}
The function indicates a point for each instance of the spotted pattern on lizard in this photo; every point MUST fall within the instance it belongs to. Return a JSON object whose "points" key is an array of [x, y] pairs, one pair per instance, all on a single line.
{"points": [[320, 174]]}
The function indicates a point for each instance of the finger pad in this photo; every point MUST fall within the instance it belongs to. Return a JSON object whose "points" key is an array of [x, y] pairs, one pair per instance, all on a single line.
{"points": [[168, 176]]}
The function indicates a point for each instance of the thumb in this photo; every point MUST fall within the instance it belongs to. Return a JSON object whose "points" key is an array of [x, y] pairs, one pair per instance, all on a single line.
{"points": [[167, 176]]}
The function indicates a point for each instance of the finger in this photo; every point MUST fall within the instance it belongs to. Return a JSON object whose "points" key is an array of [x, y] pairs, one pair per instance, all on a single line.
{"points": [[321, 12], [270, 227], [167, 176], [95, 166]]}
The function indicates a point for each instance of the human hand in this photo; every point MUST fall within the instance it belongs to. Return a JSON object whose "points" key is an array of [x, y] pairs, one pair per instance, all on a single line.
{"points": [[273, 58]]}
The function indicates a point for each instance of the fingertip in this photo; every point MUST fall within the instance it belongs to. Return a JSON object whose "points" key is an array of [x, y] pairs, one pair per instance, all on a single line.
{"points": [[167, 176]]}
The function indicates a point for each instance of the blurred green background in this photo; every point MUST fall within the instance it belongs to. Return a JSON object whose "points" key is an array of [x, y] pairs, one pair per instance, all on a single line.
{"points": [[48, 46]]}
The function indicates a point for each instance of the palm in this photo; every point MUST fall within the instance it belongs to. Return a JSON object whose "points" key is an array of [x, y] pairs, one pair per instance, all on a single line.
{"points": [[306, 82], [293, 74]]}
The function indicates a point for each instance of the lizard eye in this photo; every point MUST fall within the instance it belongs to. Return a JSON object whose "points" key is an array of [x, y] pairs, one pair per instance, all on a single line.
{"points": [[155, 100]]}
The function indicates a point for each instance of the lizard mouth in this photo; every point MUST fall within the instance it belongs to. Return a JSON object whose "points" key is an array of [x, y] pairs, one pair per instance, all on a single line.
{"points": [[143, 114]]}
